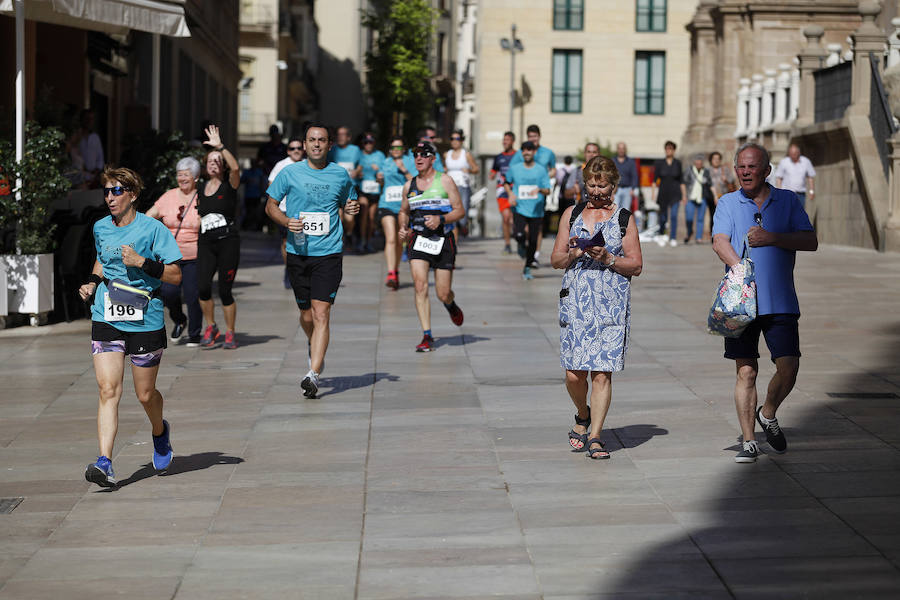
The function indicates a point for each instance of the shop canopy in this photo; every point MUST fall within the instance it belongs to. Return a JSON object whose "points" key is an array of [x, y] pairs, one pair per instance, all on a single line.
{"points": [[165, 17]]}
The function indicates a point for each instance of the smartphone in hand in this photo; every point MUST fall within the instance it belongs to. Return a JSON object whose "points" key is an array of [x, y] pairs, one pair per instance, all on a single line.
{"points": [[585, 243]]}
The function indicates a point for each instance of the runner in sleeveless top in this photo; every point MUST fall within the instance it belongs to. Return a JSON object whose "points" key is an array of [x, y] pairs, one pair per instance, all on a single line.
{"points": [[395, 171], [460, 167], [430, 206], [498, 171], [135, 254], [219, 248], [314, 190]]}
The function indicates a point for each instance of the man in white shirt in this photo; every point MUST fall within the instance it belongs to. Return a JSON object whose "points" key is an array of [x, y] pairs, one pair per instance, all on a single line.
{"points": [[295, 154], [796, 173]]}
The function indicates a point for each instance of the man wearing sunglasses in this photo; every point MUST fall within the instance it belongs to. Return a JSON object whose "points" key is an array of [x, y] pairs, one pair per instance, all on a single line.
{"points": [[314, 192], [295, 154], [775, 226], [430, 207], [428, 134]]}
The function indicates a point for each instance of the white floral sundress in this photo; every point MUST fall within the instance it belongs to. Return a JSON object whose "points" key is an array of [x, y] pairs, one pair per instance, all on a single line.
{"points": [[595, 306]]}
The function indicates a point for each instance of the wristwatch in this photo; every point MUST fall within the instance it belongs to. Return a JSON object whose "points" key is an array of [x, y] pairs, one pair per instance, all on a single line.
{"points": [[610, 264]]}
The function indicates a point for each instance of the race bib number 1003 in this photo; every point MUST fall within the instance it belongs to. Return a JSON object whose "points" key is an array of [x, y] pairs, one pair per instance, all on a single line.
{"points": [[428, 246]]}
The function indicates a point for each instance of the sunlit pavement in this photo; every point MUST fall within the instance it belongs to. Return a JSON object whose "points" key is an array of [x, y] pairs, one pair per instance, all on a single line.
{"points": [[448, 475]]}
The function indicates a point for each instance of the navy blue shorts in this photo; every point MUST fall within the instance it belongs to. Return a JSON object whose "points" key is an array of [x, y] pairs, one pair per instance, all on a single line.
{"points": [[781, 333]]}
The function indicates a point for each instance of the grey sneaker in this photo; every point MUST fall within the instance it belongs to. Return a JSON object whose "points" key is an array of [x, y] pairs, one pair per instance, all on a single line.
{"points": [[749, 454], [774, 435], [310, 384]]}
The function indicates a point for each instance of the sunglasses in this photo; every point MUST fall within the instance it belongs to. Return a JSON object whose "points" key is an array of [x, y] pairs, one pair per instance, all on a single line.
{"points": [[116, 191], [423, 154], [293, 148], [758, 218], [456, 139], [397, 147], [181, 211]]}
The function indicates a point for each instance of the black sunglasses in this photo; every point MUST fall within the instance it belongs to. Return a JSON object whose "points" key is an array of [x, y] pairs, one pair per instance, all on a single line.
{"points": [[116, 191], [423, 154], [456, 139], [758, 218], [292, 148]]}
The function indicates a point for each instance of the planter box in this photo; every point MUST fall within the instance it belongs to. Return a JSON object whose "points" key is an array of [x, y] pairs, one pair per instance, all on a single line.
{"points": [[29, 283]]}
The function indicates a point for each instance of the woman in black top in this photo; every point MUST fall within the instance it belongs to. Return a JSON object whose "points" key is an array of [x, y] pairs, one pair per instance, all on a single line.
{"points": [[669, 192], [219, 248]]}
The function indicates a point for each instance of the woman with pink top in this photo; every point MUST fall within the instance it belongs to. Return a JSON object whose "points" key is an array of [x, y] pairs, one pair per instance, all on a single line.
{"points": [[177, 209]]}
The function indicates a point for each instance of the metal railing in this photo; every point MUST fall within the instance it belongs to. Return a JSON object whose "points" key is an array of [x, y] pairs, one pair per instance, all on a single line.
{"points": [[880, 116], [255, 123], [834, 87]]}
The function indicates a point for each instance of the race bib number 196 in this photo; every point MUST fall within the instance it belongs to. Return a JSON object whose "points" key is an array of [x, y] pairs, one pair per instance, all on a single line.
{"points": [[316, 223], [120, 312]]}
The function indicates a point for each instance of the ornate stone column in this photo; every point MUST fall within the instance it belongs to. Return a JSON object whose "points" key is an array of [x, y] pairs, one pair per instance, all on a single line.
{"points": [[868, 38], [811, 59], [703, 76]]}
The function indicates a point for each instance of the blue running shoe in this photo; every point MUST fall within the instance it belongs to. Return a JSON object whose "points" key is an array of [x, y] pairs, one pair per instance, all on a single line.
{"points": [[162, 449], [101, 473]]}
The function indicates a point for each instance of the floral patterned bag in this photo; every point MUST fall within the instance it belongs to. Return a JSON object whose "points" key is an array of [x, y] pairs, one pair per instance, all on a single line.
{"points": [[734, 306]]}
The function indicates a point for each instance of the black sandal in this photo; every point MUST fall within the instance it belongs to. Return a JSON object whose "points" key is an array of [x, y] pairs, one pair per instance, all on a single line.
{"points": [[578, 441], [594, 452]]}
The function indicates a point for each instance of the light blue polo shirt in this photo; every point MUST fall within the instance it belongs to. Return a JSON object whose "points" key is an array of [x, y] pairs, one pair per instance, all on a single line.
{"points": [[536, 175], [347, 157], [309, 190], [149, 238], [543, 156], [781, 213]]}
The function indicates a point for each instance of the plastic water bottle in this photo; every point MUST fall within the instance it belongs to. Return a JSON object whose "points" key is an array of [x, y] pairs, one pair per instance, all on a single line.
{"points": [[300, 238]]}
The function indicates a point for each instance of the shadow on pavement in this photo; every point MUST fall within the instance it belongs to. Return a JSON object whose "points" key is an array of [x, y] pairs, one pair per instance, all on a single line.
{"points": [[180, 464], [251, 340], [820, 521], [632, 436], [462, 339], [350, 382]]}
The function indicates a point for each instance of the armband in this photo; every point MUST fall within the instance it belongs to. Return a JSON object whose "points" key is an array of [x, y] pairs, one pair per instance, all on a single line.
{"points": [[95, 279], [153, 268]]}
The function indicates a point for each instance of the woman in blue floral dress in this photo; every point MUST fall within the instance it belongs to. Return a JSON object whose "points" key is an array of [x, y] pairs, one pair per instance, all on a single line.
{"points": [[595, 299]]}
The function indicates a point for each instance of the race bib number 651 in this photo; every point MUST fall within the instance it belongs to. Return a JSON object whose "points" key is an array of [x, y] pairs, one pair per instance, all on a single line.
{"points": [[316, 223]]}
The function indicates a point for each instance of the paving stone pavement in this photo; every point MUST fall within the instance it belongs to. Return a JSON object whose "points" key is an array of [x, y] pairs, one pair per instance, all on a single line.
{"points": [[448, 475]]}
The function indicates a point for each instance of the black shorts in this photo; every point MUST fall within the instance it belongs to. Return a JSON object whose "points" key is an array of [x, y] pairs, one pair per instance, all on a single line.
{"points": [[445, 260], [781, 334], [385, 212], [136, 342], [371, 198], [315, 277]]}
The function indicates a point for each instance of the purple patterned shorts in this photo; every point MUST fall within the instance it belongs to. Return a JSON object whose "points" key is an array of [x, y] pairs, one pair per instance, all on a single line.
{"points": [[147, 359]]}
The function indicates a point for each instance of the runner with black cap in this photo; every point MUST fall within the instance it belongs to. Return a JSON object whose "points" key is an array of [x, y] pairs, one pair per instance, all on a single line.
{"points": [[431, 205]]}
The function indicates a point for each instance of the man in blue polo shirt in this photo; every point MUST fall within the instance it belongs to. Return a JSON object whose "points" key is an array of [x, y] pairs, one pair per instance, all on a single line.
{"points": [[776, 227], [313, 189]]}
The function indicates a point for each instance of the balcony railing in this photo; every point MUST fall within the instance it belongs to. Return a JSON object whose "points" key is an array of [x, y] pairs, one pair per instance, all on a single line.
{"points": [[833, 91], [768, 100], [880, 116]]}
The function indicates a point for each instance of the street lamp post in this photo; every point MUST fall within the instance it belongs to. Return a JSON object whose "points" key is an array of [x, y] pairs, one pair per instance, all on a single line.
{"points": [[513, 44]]}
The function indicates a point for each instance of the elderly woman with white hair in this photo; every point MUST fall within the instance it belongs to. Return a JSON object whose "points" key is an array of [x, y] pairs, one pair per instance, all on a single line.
{"points": [[177, 209]]}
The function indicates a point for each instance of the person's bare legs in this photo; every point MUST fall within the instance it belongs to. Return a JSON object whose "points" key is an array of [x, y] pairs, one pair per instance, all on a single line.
{"points": [[315, 323], [577, 386], [363, 220], [109, 368], [443, 285], [150, 398], [781, 384], [209, 311], [507, 225], [419, 270], [745, 396], [601, 396], [392, 248], [230, 315]]}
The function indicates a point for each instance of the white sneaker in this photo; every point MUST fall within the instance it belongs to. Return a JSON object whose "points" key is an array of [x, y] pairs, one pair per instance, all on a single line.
{"points": [[661, 241], [310, 384], [672, 243]]}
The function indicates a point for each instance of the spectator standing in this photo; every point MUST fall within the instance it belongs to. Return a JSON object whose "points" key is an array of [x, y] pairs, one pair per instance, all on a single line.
{"points": [[590, 151], [697, 182], [776, 226], [628, 177], [669, 192], [723, 181], [91, 149], [795, 172]]}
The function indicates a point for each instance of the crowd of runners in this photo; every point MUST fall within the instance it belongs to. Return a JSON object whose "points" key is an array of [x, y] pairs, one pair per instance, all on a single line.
{"points": [[329, 196]]}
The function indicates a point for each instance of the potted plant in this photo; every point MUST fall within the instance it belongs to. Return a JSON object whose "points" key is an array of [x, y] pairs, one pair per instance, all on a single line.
{"points": [[25, 211]]}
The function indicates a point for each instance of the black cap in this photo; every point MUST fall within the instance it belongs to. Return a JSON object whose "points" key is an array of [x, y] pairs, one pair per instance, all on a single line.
{"points": [[425, 147], [526, 145], [368, 139]]}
